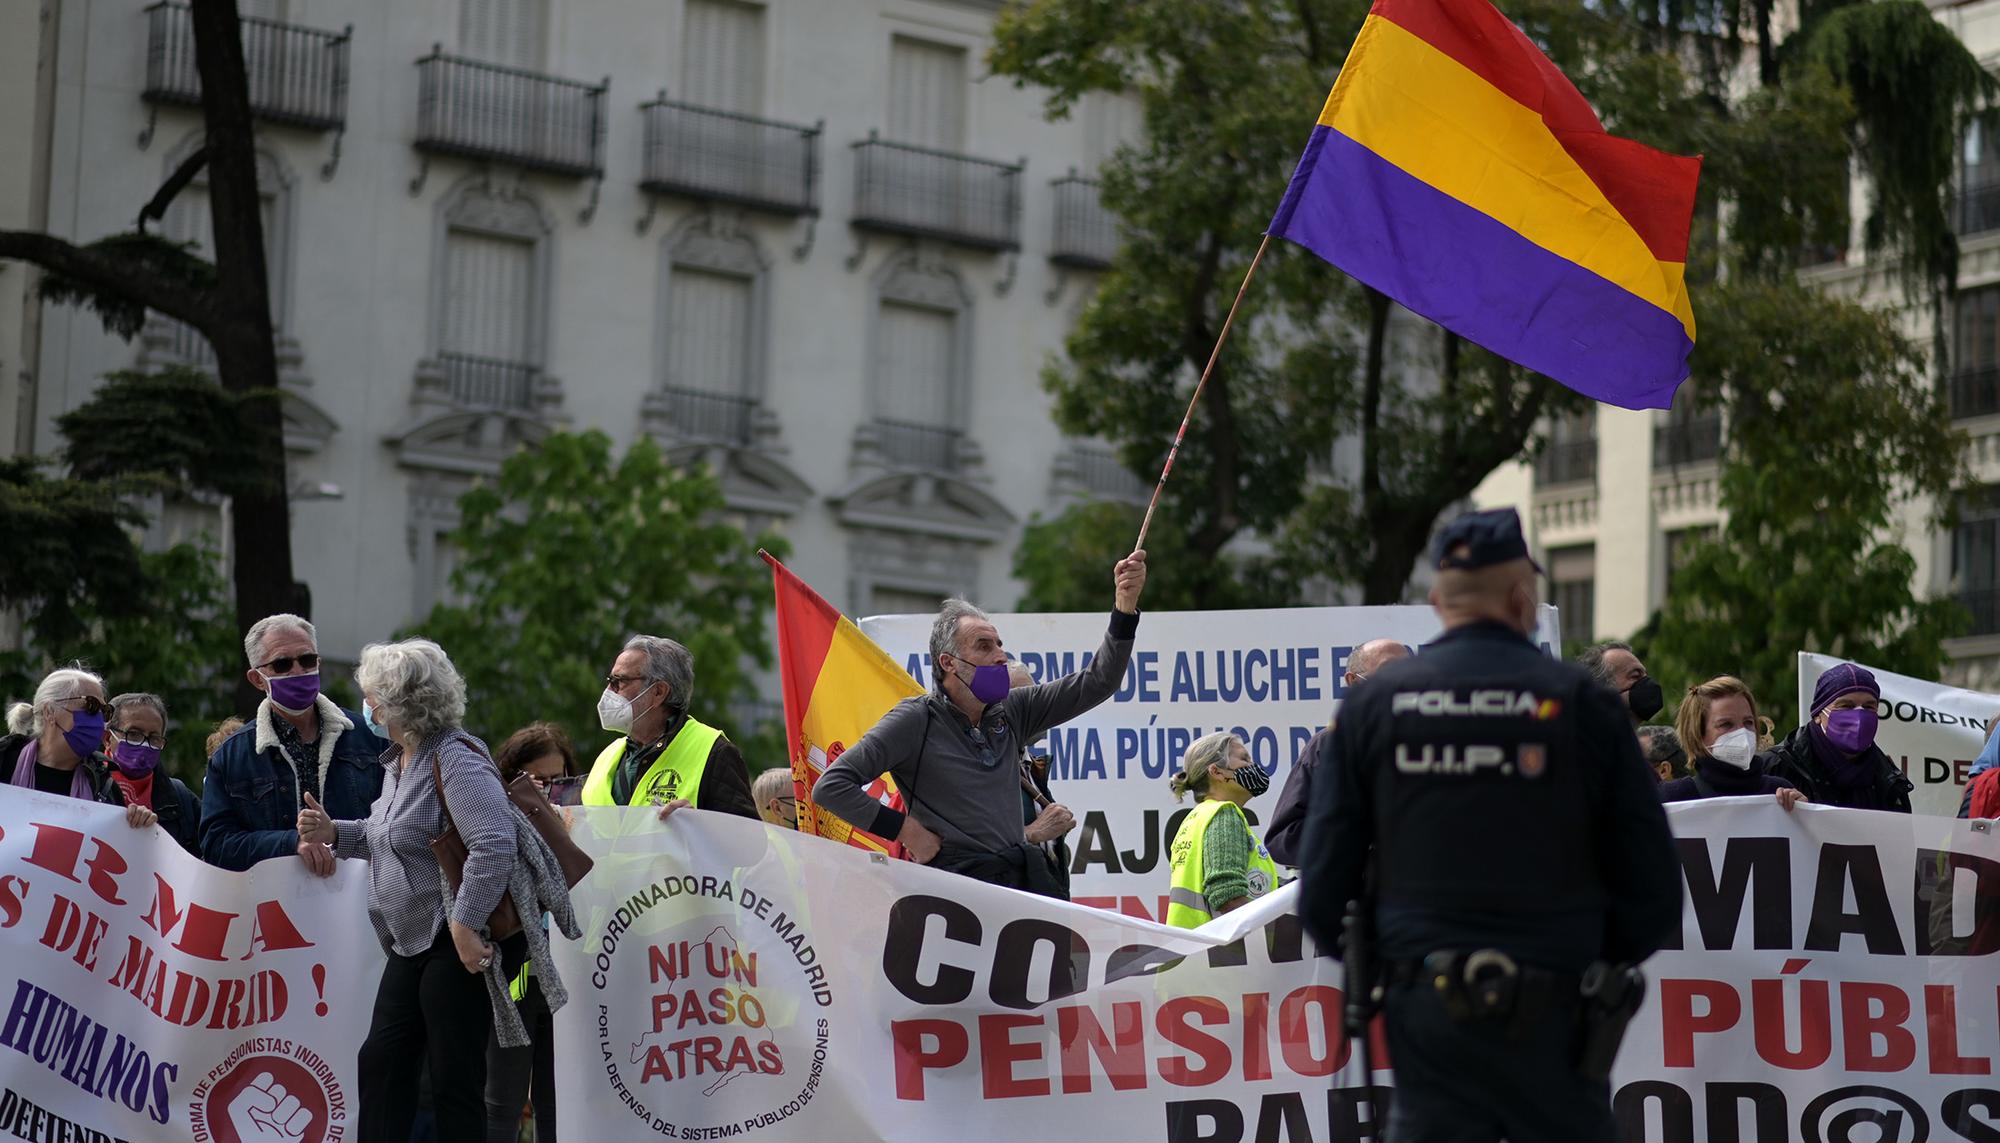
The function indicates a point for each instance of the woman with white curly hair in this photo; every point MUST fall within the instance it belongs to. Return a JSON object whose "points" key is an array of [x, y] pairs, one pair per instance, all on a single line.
{"points": [[445, 986]]}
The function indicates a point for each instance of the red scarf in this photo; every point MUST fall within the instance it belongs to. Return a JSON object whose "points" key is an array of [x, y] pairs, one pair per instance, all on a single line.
{"points": [[138, 791]]}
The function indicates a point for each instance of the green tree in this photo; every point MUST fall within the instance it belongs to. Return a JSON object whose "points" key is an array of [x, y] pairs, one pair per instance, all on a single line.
{"points": [[122, 276], [570, 551], [1878, 87], [1834, 425]]}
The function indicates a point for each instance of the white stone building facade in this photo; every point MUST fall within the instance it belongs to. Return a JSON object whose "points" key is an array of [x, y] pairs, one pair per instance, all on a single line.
{"points": [[810, 241], [1617, 492]]}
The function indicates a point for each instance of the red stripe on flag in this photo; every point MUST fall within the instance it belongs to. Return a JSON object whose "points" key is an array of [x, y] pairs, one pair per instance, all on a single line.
{"points": [[806, 624], [1653, 190]]}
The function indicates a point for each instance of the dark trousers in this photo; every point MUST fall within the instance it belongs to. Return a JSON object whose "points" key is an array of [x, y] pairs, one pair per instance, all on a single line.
{"points": [[429, 1009], [514, 1074], [1483, 1081]]}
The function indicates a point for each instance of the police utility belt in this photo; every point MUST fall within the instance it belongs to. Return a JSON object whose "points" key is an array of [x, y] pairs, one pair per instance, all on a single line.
{"points": [[1486, 986]]}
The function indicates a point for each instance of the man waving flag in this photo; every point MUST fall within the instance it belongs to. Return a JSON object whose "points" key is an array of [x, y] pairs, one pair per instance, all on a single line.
{"points": [[1456, 170]]}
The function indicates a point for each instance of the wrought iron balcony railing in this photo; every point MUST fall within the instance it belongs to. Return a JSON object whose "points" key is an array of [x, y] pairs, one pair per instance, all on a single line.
{"points": [[719, 417], [1984, 604], [485, 111], [1689, 441], [298, 76], [485, 383], [1099, 473], [1974, 392], [1978, 208], [1086, 236], [933, 448], [917, 191], [1567, 462], [721, 156]]}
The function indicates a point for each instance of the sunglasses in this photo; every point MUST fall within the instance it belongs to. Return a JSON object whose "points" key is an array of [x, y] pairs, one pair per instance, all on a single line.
{"points": [[91, 704], [283, 664]]}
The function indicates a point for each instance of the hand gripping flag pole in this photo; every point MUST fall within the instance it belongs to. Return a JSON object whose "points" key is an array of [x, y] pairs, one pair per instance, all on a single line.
{"points": [[1147, 523]]}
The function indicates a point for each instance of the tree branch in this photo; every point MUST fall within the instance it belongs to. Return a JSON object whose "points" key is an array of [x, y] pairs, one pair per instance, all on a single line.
{"points": [[110, 274], [156, 209]]}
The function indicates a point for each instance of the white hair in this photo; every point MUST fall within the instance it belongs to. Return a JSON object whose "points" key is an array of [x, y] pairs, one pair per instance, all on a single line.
{"points": [[670, 663], [253, 639], [944, 631], [412, 685], [57, 686]]}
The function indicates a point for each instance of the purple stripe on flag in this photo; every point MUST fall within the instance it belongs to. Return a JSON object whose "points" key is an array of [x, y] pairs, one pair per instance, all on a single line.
{"points": [[1474, 276]]}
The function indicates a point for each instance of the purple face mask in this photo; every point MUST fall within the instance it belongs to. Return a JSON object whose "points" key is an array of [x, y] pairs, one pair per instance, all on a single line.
{"points": [[293, 694], [85, 736], [1851, 731], [990, 683], [136, 759]]}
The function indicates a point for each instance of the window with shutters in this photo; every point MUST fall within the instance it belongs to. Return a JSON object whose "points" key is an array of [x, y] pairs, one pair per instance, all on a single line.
{"points": [[1573, 590], [491, 297], [919, 352], [1571, 454], [1974, 385], [913, 369], [1975, 558], [709, 323], [722, 56], [188, 219], [1111, 119], [927, 88], [503, 31], [885, 600]]}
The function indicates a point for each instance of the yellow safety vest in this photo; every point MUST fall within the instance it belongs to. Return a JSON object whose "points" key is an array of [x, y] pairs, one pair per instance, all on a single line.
{"points": [[676, 773], [1186, 907]]}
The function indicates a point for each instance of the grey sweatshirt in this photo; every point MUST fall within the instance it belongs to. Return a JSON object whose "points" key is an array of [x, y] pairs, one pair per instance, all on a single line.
{"points": [[963, 782]]}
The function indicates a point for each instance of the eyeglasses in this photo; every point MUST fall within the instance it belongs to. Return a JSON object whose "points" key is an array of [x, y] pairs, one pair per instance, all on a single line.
{"points": [[133, 736], [617, 682], [283, 664], [91, 704]]}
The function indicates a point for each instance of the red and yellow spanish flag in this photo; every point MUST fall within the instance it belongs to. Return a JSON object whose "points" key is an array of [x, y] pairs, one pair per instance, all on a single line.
{"points": [[1456, 170], [837, 684]]}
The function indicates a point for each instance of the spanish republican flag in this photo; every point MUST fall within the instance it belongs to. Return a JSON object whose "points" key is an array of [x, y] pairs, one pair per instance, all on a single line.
{"points": [[1456, 170], [838, 684]]}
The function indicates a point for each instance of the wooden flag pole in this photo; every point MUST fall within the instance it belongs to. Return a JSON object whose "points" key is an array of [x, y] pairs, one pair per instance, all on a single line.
{"points": [[1147, 523]]}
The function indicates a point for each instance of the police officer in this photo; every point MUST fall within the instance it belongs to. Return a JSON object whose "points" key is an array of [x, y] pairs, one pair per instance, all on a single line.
{"points": [[1519, 851]]}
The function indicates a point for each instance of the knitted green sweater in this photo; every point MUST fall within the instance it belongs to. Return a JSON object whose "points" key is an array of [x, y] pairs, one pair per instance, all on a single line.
{"points": [[1225, 860]]}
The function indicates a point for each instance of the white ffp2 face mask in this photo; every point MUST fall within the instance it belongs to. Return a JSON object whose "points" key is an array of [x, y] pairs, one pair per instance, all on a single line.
{"points": [[1736, 748], [614, 712]]}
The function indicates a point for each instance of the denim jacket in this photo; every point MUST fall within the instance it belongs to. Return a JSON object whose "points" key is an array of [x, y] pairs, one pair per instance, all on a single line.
{"points": [[250, 799]]}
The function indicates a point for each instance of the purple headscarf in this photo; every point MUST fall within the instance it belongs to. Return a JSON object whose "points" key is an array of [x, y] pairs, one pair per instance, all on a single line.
{"points": [[24, 773]]}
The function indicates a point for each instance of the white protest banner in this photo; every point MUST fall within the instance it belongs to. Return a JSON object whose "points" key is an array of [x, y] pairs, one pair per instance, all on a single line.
{"points": [[1273, 676], [1834, 982], [144, 995], [1934, 732]]}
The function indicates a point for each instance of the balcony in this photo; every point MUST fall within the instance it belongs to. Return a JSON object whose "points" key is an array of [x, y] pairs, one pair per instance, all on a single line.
{"points": [[1687, 440], [1984, 604], [485, 383], [722, 418], [1567, 462], [922, 193], [720, 156], [1978, 208], [1094, 471], [1974, 392], [932, 448], [1086, 236], [298, 76], [484, 111]]}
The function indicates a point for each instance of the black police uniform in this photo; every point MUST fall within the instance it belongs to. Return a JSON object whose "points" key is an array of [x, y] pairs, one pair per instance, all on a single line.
{"points": [[1510, 809]]}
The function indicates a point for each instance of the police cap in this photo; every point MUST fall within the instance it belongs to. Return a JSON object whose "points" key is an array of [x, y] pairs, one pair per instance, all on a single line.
{"points": [[1482, 539]]}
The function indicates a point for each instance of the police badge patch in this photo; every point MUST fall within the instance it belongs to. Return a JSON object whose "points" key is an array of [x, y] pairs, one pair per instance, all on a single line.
{"points": [[1533, 759]]}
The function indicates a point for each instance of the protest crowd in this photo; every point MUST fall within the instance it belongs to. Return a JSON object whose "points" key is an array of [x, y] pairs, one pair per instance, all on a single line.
{"points": [[306, 780]]}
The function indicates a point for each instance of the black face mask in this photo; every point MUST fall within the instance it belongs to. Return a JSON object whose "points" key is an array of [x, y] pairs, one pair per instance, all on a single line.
{"points": [[1252, 778], [1644, 698]]}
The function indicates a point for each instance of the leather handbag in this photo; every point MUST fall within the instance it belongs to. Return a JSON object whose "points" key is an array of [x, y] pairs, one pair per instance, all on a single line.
{"points": [[526, 797]]}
